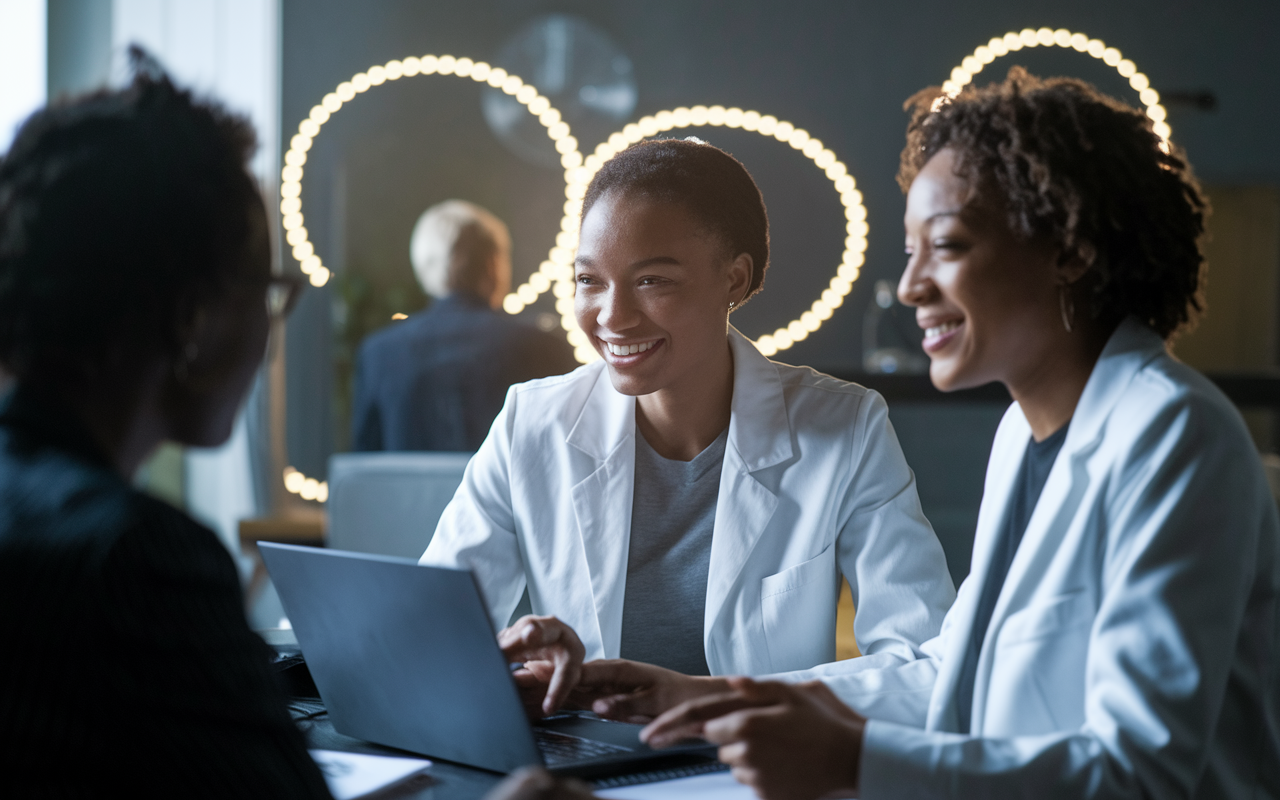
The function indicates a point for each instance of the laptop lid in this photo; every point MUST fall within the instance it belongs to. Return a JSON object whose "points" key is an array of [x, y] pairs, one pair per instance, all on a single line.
{"points": [[403, 655]]}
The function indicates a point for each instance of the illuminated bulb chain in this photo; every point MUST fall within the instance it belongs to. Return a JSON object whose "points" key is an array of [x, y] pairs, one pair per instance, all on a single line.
{"points": [[309, 128], [1046, 37], [556, 272], [304, 487], [559, 266]]}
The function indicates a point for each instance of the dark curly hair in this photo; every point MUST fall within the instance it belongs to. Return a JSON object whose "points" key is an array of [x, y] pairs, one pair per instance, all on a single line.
{"points": [[1088, 173], [710, 183], [116, 209]]}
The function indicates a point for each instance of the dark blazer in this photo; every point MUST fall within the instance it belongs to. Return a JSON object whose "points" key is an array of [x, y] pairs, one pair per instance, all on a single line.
{"points": [[128, 668], [437, 380]]}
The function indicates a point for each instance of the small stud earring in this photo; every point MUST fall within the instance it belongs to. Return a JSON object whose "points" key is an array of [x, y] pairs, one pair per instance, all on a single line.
{"points": [[732, 303]]}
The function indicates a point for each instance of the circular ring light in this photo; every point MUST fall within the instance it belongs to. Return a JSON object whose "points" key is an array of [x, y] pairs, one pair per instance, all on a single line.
{"points": [[309, 128], [296, 157], [559, 267], [962, 75]]}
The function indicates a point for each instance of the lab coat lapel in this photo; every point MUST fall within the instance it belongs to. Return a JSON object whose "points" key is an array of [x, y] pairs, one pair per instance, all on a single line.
{"points": [[1129, 349], [605, 431], [759, 438]]}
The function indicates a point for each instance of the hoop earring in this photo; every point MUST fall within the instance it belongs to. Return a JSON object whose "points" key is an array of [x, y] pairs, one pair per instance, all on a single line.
{"points": [[1066, 306]]}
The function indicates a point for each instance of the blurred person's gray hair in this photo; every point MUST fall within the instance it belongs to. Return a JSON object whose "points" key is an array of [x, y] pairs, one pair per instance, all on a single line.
{"points": [[453, 247]]}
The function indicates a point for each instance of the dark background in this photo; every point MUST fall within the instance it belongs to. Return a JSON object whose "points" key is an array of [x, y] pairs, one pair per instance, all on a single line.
{"points": [[841, 70]]}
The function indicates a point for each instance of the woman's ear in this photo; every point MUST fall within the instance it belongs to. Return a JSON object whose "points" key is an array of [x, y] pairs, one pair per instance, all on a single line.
{"points": [[1073, 265], [739, 273]]}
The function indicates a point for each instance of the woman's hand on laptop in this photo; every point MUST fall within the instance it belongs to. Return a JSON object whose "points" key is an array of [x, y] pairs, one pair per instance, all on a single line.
{"points": [[552, 657], [632, 691], [785, 741]]}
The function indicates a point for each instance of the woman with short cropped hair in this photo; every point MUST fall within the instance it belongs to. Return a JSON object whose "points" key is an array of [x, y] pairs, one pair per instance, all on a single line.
{"points": [[686, 501]]}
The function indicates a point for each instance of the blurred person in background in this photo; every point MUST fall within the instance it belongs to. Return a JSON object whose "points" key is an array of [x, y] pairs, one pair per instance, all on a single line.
{"points": [[436, 380]]}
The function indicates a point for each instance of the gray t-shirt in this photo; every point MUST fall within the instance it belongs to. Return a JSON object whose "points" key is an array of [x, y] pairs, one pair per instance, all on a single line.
{"points": [[672, 517]]}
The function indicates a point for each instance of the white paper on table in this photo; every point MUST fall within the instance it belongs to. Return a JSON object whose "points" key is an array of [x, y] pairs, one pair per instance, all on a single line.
{"points": [[713, 786], [355, 775]]}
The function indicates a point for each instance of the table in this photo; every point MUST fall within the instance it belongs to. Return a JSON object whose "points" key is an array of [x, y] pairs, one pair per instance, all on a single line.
{"points": [[449, 781]]}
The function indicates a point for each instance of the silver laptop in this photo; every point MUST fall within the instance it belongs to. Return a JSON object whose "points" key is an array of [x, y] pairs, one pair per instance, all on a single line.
{"points": [[406, 656]]}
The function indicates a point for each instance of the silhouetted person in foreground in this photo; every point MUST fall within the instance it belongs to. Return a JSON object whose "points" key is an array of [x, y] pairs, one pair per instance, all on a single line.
{"points": [[135, 281], [437, 380], [136, 297]]}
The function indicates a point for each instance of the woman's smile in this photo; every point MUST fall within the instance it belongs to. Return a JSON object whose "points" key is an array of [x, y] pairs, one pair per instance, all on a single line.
{"points": [[937, 335], [623, 354]]}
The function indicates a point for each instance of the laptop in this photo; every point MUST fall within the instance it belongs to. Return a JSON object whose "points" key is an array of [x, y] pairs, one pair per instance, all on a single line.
{"points": [[406, 656]]}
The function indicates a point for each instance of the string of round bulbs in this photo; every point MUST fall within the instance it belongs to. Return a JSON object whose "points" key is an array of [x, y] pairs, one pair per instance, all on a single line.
{"points": [[556, 272], [480, 72], [1012, 42]]}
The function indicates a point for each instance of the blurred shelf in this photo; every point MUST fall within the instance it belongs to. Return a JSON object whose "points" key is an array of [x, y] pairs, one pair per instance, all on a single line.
{"points": [[295, 528]]}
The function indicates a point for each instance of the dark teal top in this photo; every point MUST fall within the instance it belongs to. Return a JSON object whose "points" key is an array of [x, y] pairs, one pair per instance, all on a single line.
{"points": [[128, 667], [1027, 488]]}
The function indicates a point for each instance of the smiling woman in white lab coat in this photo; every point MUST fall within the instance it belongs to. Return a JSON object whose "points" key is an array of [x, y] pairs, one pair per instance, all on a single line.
{"points": [[1118, 633], [685, 500]]}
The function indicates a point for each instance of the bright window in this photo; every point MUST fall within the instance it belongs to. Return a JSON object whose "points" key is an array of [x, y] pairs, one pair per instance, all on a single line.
{"points": [[22, 63]]}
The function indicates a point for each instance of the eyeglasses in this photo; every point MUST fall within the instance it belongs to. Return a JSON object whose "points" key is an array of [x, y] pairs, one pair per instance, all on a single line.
{"points": [[283, 292]]}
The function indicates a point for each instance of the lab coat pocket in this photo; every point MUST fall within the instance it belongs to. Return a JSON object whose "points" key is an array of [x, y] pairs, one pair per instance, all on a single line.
{"points": [[1037, 676], [798, 612]]}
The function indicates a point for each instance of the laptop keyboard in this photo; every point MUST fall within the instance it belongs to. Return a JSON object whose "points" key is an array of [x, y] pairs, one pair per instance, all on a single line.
{"points": [[559, 748]]}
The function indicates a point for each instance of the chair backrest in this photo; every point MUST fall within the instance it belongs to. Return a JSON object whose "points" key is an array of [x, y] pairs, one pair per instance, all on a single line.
{"points": [[389, 503]]}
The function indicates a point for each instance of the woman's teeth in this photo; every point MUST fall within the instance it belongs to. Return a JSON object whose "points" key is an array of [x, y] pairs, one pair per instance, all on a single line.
{"points": [[630, 349], [938, 330]]}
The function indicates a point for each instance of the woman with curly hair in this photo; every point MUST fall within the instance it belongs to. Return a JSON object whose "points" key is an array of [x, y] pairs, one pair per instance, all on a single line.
{"points": [[1117, 636]]}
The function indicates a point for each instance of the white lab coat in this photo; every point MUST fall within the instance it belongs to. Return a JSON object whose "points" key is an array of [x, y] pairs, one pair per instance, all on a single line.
{"points": [[1133, 648], [813, 485]]}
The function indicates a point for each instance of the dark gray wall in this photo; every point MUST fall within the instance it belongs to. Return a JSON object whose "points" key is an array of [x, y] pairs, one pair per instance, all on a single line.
{"points": [[839, 69], [79, 54]]}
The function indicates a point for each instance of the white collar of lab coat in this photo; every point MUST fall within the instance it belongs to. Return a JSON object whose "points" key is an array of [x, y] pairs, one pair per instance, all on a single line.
{"points": [[759, 430]]}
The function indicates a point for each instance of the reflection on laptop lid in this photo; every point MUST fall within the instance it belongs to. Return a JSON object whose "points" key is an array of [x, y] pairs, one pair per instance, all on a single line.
{"points": [[406, 656]]}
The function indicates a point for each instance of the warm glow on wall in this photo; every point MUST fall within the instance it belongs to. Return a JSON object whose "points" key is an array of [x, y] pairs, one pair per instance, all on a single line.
{"points": [[1011, 42]]}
